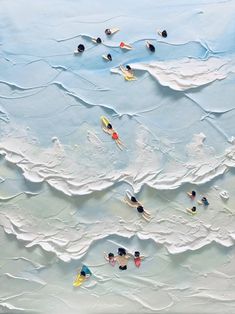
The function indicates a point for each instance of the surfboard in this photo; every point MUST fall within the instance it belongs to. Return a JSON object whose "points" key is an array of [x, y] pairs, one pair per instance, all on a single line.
{"points": [[79, 280], [104, 121], [130, 78]]}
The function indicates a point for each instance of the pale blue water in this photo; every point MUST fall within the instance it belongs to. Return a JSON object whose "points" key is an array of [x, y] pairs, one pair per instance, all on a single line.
{"points": [[63, 179]]}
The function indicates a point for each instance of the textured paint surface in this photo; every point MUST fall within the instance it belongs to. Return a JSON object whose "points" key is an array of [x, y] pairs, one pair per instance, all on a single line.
{"points": [[63, 180]]}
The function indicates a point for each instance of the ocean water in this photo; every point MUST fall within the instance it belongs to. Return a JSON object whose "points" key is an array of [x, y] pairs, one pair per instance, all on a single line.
{"points": [[63, 180]]}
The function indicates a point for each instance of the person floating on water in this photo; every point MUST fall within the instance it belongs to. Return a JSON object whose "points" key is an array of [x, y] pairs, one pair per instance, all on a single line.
{"points": [[150, 46], [138, 259], [111, 31], [203, 201], [127, 73], [107, 57], [108, 128], [84, 274], [122, 258], [192, 210], [163, 33], [192, 195], [97, 40], [123, 45], [133, 202], [110, 258], [81, 48]]}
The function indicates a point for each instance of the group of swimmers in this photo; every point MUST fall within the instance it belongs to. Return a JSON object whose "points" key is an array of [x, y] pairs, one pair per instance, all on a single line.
{"points": [[122, 45], [122, 258], [203, 201]]}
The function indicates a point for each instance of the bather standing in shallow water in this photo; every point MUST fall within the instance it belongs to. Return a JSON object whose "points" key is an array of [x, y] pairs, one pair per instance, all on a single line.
{"points": [[122, 258]]}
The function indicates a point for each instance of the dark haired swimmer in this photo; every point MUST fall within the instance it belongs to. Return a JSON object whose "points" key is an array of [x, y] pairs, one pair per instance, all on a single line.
{"points": [[81, 48], [127, 73], [111, 31], [110, 258], [150, 46], [107, 57], [107, 128], [192, 210], [122, 258], [203, 201], [163, 33], [97, 40], [138, 259], [192, 195], [133, 202]]}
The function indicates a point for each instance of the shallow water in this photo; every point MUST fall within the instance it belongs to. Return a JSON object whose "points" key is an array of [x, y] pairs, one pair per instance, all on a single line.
{"points": [[63, 180]]}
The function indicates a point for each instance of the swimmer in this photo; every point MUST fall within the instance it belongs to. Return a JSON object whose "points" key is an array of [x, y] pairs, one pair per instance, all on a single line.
{"points": [[138, 259], [80, 48], [203, 201], [84, 274], [192, 210], [123, 45], [108, 128], [192, 195], [163, 33], [111, 31], [86, 270], [133, 202], [129, 69], [150, 46], [128, 73], [122, 258], [97, 40], [110, 258], [107, 57]]}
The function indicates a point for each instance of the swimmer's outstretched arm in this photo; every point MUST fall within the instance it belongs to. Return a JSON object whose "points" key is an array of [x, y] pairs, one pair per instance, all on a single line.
{"points": [[106, 256], [119, 145], [146, 218], [107, 131], [127, 201], [147, 215]]}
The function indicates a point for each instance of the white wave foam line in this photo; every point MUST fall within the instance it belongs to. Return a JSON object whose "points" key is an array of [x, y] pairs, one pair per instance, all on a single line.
{"points": [[70, 240], [65, 174], [186, 73]]}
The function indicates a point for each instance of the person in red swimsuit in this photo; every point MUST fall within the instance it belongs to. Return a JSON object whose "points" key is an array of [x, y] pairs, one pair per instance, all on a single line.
{"points": [[110, 130], [137, 259]]}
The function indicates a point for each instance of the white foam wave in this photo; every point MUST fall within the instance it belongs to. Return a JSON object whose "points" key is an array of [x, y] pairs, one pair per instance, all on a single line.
{"points": [[61, 171], [68, 241], [186, 73]]}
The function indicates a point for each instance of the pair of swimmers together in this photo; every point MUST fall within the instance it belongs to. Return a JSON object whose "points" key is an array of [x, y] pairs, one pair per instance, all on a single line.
{"points": [[133, 202], [203, 201], [122, 258]]}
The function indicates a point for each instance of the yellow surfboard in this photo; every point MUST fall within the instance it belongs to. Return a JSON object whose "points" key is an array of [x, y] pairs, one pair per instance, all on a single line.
{"points": [[104, 121], [79, 280]]}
